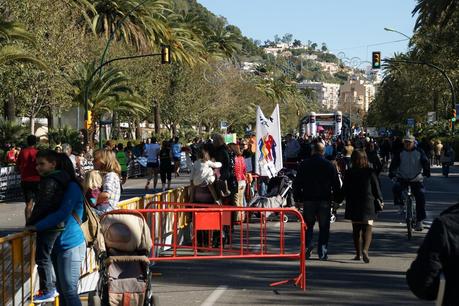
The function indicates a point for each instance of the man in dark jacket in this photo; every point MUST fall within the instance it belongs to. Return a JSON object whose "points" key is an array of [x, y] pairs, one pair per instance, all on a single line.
{"points": [[316, 181], [439, 253]]}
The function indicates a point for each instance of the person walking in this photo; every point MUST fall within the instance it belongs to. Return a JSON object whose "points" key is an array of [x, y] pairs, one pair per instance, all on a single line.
{"points": [[165, 164], [317, 181], [176, 155], [123, 160], [361, 190], [438, 147], [27, 164], [447, 159], [151, 151]]}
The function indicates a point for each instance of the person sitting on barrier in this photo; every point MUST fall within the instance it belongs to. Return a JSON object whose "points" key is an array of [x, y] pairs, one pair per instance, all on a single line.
{"points": [[202, 178], [69, 249], [51, 193], [105, 161]]}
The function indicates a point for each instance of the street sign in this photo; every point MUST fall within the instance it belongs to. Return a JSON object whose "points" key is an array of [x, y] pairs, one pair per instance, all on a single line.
{"points": [[410, 122], [431, 117], [224, 125]]}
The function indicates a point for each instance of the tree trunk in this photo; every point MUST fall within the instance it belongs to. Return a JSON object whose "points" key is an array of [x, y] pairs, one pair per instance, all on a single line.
{"points": [[115, 126], [157, 115], [10, 108], [138, 130], [50, 118], [174, 129], [32, 124]]}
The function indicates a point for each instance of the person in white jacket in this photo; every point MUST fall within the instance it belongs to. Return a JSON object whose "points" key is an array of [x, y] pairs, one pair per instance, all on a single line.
{"points": [[202, 174]]}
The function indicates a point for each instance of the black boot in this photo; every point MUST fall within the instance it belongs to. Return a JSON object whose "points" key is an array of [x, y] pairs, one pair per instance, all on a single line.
{"points": [[367, 235]]}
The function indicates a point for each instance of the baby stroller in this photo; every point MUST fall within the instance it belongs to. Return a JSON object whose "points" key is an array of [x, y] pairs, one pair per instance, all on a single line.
{"points": [[125, 271], [279, 194]]}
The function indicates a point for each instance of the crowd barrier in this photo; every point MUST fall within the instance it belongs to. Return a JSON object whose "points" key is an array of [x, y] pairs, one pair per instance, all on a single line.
{"points": [[10, 184], [221, 237], [174, 225]]}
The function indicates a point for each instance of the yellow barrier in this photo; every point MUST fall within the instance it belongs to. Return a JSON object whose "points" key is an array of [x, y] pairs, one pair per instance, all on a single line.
{"points": [[17, 251], [17, 266]]}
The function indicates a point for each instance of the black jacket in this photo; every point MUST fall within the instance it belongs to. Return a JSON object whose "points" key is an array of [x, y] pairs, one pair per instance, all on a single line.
{"points": [[361, 188], [50, 195], [439, 253], [317, 180]]}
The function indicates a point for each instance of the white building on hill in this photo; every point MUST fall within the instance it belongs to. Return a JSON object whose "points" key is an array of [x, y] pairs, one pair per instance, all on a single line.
{"points": [[327, 93]]}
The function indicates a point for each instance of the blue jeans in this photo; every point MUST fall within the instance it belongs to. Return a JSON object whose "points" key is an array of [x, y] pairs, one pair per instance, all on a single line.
{"points": [[45, 242], [67, 266], [418, 190], [320, 211]]}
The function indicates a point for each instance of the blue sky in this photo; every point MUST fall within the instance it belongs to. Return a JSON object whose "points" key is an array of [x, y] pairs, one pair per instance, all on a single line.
{"points": [[349, 26]]}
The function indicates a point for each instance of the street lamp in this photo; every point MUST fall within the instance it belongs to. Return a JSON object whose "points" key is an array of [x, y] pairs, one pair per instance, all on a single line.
{"points": [[395, 31]]}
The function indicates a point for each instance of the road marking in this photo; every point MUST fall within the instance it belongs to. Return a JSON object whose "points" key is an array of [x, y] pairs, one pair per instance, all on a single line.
{"points": [[211, 299]]}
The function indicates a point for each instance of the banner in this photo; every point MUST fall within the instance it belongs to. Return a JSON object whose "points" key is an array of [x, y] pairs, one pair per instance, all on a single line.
{"points": [[268, 157]]}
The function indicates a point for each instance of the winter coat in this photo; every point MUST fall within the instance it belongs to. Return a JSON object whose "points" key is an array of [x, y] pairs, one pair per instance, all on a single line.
{"points": [[51, 193], [439, 253], [410, 165], [361, 188], [317, 180]]}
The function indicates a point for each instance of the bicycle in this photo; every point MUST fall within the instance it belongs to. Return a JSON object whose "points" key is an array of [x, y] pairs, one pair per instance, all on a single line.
{"points": [[409, 203]]}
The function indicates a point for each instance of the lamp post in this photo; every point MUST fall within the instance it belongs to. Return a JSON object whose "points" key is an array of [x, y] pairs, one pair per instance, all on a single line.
{"points": [[395, 31]]}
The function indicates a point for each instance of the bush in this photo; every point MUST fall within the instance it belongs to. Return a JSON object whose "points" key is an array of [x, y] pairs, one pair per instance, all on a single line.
{"points": [[65, 135], [11, 133]]}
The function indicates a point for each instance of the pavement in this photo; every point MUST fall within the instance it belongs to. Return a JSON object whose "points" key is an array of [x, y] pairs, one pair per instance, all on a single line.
{"points": [[338, 281]]}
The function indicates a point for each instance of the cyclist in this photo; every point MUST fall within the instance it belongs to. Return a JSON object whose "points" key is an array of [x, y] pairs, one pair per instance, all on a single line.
{"points": [[409, 166]]}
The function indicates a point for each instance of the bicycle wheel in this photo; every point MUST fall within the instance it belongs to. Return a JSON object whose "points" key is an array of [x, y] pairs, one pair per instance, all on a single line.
{"points": [[409, 218]]}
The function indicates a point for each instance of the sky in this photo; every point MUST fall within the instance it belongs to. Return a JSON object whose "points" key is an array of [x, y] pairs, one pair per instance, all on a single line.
{"points": [[350, 26]]}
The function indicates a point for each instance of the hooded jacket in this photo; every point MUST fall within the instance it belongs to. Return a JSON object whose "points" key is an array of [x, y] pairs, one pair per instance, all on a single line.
{"points": [[51, 193], [439, 253]]}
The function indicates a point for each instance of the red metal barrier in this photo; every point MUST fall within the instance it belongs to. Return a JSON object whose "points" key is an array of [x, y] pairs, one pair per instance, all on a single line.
{"points": [[243, 239]]}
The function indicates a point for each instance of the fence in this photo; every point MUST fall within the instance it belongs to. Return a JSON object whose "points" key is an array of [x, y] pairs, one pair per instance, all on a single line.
{"points": [[10, 184], [214, 237]]}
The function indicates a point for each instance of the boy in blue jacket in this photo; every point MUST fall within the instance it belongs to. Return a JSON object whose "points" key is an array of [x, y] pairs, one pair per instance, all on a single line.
{"points": [[52, 187]]}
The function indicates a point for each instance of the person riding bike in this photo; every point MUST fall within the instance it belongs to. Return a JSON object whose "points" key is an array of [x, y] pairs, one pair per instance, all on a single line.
{"points": [[409, 166]]}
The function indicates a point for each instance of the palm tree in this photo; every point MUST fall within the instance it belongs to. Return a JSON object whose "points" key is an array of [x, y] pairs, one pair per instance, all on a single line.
{"points": [[434, 11], [10, 34], [105, 93], [222, 43], [136, 23], [11, 132]]}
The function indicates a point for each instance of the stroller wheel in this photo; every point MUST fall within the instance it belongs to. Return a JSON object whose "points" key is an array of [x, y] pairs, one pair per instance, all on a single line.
{"points": [[154, 300], [285, 219], [94, 299]]}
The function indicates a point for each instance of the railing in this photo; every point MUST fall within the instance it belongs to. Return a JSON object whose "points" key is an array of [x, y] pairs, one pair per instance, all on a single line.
{"points": [[17, 268]]}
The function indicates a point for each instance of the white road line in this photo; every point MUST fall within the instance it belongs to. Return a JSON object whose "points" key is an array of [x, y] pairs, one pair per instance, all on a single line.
{"points": [[214, 296]]}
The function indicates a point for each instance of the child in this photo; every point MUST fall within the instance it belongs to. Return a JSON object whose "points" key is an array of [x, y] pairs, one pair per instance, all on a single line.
{"points": [[92, 188], [53, 184], [202, 173]]}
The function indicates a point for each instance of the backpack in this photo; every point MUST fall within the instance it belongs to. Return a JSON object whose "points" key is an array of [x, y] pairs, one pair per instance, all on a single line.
{"points": [[90, 225]]}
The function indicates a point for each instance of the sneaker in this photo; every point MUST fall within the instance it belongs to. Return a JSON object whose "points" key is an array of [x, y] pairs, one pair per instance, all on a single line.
{"points": [[45, 296], [418, 226], [323, 257], [308, 253]]}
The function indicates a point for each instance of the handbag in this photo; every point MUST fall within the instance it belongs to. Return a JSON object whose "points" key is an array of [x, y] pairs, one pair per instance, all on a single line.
{"points": [[379, 205], [90, 225]]}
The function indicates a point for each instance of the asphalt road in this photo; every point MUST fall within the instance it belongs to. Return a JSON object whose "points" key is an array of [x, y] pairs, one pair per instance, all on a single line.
{"points": [[338, 281]]}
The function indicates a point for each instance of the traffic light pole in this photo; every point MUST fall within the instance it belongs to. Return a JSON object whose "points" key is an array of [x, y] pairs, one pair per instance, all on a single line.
{"points": [[451, 86]]}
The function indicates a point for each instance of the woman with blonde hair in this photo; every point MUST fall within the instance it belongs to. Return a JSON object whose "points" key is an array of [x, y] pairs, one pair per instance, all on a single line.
{"points": [[105, 161]]}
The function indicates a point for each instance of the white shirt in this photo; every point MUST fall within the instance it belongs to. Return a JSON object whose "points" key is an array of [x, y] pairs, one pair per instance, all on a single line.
{"points": [[152, 151], [202, 172]]}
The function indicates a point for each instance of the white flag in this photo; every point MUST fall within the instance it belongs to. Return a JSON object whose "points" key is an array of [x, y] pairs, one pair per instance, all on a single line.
{"points": [[268, 158]]}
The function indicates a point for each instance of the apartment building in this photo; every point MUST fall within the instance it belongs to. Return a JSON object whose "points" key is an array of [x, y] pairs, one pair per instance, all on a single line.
{"points": [[358, 93], [327, 93]]}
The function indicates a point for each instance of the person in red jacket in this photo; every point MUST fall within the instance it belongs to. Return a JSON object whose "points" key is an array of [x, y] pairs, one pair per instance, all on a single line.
{"points": [[26, 163]]}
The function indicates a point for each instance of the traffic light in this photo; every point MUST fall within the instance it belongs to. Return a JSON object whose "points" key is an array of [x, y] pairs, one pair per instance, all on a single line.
{"points": [[88, 121], [166, 55], [376, 60], [453, 115]]}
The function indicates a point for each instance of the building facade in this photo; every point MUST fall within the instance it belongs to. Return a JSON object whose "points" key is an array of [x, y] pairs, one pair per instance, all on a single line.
{"points": [[327, 93], [357, 93]]}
